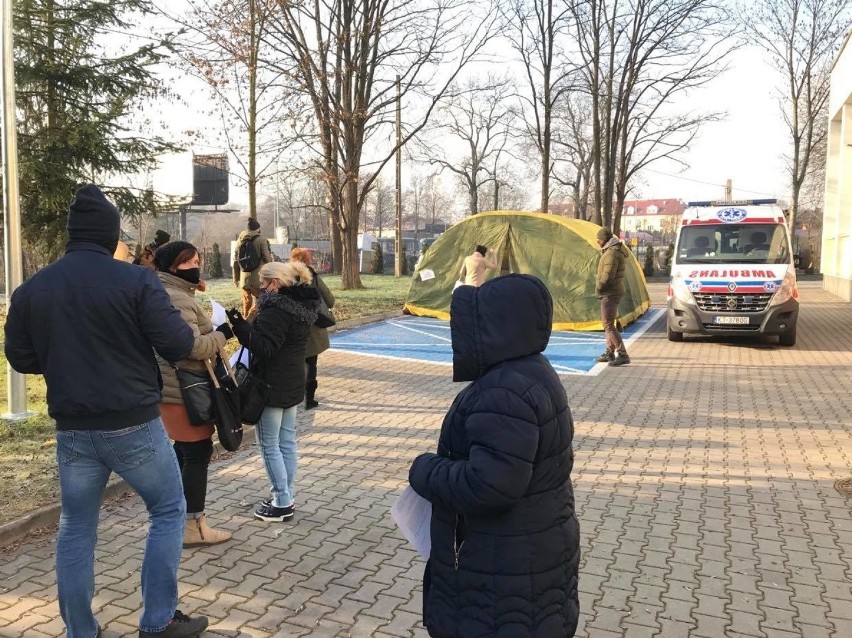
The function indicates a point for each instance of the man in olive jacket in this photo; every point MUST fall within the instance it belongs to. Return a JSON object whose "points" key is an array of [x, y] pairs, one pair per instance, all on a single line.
{"points": [[249, 282], [91, 324], [609, 287]]}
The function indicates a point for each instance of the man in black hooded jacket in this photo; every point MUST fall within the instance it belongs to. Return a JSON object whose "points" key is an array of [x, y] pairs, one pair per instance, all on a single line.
{"points": [[90, 324]]}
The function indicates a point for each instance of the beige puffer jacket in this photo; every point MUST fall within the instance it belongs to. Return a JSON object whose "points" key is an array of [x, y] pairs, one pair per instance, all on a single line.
{"points": [[207, 340]]}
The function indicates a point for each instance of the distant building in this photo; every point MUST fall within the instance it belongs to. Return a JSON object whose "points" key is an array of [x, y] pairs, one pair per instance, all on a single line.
{"points": [[651, 215], [435, 229], [837, 221]]}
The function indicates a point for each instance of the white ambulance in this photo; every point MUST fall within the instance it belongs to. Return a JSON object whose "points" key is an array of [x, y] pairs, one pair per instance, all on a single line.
{"points": [[733, 272]]}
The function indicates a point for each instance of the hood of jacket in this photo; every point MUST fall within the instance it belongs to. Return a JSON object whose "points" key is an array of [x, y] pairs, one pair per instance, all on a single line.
{"points": [[614, 241], [248, 234], [506, 318]]}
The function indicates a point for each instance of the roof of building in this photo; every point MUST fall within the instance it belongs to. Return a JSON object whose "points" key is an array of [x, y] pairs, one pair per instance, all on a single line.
{"points": [[658, 207]]}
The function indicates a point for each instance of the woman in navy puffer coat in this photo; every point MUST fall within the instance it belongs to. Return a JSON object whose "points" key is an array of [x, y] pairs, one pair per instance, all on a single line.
{"points": [[505, 538]]}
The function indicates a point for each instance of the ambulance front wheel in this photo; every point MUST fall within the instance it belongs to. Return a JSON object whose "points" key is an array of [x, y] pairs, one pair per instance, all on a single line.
{"points": [[672, 335]]}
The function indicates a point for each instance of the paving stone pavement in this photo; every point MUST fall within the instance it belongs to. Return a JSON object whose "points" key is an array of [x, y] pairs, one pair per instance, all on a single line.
{"points": [[704, 479]]}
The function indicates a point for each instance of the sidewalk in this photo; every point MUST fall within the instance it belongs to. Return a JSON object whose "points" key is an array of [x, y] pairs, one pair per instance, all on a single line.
{"points": [[705, 491]]}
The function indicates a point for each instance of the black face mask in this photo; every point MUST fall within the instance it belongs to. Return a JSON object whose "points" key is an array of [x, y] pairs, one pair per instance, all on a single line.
{"points": [[192, 275]]}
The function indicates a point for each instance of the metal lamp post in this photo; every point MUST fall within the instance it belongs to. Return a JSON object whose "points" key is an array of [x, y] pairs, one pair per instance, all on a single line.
{"points": [[17, 389]]}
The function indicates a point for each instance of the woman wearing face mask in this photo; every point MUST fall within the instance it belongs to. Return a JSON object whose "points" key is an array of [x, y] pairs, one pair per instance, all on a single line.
{"points": [[178, 266], [277, 338]]}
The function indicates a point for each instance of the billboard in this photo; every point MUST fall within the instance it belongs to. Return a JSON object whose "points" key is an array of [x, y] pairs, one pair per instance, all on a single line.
{"points": [[210, 180]]}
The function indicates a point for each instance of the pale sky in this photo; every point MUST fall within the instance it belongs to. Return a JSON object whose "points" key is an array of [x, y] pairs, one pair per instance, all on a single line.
{"points": [[747, 147]]}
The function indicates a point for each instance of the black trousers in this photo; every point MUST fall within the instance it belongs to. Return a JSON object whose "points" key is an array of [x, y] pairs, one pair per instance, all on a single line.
{"points": [[194, 459], [311, 375]]}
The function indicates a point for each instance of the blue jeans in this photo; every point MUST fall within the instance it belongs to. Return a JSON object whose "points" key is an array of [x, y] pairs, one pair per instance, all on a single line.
{"points": [[143, 457], [276, 434]]}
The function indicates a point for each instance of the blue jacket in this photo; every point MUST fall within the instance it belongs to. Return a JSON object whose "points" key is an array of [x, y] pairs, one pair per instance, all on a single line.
{"points": [[90, 324], [505, 538]]}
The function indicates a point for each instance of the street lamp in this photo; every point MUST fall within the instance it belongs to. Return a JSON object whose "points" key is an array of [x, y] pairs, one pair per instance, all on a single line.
{"points": [[15, 384]]}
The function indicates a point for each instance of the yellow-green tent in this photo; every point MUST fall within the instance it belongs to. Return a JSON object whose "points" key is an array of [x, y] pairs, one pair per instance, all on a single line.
{"points": [[561, 252]]}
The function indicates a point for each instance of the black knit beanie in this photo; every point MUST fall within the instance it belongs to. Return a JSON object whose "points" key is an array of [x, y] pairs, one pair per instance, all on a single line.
{"points": [[167, 253], [253, 224], [93, 218], [161, 237]]}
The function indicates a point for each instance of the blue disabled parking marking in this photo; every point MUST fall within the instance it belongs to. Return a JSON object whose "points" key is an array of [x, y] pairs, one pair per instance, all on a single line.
{"points": [[427, 340]]}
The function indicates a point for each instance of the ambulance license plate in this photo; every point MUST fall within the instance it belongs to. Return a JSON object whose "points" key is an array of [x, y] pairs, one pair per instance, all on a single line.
{"points": [[731, 320]]}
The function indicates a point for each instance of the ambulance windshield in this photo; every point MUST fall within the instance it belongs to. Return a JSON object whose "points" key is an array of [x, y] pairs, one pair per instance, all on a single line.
{"points": [[733, 244]]}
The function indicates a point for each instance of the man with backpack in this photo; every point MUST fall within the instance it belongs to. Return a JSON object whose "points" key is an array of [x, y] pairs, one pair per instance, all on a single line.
{"points": [[251, 253]]}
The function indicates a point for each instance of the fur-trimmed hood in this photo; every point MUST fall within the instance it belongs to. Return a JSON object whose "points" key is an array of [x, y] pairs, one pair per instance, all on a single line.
{"points": [[300, 301]]}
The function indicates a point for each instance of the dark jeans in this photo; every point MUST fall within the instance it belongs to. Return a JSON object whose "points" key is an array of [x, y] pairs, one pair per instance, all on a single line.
{"points": [[193, 460], [609, 313]]}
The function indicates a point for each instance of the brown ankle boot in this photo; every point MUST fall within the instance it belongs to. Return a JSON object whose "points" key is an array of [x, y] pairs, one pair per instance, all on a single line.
{"points": [[198, 532]]}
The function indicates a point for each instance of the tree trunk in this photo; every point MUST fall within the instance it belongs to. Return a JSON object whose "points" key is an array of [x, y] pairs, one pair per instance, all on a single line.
{"points": [[336, 245], [252, 112], [351, 274], [349, 235], [794, 209], [575, 195]]}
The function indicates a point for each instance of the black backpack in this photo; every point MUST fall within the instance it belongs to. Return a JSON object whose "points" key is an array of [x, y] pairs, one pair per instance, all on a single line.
{"points": [[248, 256]]}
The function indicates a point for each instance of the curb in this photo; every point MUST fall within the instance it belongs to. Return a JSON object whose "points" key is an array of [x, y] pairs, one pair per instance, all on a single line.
{"points": [[49, 515], [363, 321]]}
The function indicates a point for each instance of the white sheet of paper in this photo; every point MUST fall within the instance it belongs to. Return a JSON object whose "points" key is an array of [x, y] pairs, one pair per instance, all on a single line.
{"points": [[413, 515], [219, 317], [427, 274]]}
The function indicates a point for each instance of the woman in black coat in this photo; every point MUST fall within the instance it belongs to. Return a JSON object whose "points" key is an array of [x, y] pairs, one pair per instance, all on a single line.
{"points": [[505, 537], [276, 339]]}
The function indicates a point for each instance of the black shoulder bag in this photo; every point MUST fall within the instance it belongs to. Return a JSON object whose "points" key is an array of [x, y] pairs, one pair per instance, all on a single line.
{"points": [[253, 390], [226, 403], [325, 317], [196, 391]]}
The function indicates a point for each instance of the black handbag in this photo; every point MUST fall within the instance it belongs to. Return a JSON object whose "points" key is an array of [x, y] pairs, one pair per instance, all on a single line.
{"points": [[325, 317], [253, 391], [226, 404], [196, 390]]}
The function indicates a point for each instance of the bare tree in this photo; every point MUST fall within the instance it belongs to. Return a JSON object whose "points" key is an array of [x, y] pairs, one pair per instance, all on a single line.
{"points": [[437, 204], [637, 57], [301, 203], [480, 116], [812, 192], [347, 59], [223, 46], [801, 38], [573, 156], [381, 201], [534, 28], [414, 200], [511, 192]]}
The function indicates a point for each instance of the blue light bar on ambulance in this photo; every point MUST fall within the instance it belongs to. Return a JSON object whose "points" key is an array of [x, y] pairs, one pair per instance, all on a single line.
{"points": [[738, 202]]}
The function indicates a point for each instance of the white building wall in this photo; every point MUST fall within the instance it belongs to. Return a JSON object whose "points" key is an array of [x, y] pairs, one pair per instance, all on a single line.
{"points": [[836, 260]]}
